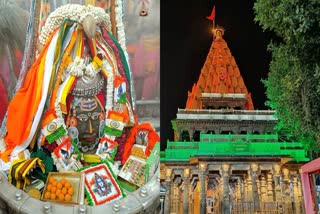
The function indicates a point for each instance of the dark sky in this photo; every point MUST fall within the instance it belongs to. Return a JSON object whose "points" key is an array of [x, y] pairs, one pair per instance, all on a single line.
{"points": [[185, 42]]}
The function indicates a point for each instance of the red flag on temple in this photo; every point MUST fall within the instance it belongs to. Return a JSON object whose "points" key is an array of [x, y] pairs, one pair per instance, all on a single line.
{"points": [[213, 14]]}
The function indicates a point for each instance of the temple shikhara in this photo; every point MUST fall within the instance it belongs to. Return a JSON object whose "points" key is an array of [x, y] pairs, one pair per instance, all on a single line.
{"points": [[226, 156]]}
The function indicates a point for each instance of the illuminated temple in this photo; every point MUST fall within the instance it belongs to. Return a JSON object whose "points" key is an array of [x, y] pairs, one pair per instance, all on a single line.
{"points": [[226, 156]]}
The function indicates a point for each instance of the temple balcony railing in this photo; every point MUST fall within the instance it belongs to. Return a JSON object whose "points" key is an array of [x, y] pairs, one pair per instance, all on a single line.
{"points": [[225, 95], [226, 114], [183, 151], [243, 137], [225, 111]]}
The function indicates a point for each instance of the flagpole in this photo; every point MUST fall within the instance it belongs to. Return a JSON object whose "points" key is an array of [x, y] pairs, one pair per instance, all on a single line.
{"points": [[212, 17]]}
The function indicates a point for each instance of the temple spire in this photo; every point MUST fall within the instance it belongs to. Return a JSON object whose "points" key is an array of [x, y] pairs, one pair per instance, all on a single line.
{"points": [[220, 84]]}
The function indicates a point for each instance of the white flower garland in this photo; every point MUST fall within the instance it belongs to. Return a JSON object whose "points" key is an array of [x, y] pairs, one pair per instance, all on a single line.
{"points": [[91, 71], [74, 12], [110, 86], [78, 68], [120, 26]]}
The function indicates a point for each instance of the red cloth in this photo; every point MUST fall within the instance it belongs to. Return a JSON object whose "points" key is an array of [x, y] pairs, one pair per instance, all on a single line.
{"points": [[213, 14], [3, 100], [5, 80]]}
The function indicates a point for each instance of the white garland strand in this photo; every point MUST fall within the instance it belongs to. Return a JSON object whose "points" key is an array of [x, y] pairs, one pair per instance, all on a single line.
{"points": [[74, 12], [78, 68], [110, 86], [109, 94], [120, 26]]}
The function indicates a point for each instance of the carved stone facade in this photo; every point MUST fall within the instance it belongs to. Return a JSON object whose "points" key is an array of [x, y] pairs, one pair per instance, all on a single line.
{"points": [[211, 186]]}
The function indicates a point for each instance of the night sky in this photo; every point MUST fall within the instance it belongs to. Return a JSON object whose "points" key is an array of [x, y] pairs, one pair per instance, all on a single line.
{"points": [[185, 41]]}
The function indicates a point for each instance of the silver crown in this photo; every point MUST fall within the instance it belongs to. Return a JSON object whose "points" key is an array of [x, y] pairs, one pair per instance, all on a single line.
{"points": [[88, 86]]}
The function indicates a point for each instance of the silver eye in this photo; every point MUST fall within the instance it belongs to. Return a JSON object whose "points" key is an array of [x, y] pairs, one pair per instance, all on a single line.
{"points": [[95, 115], [85, 149], [73, 132], [83, 117]]}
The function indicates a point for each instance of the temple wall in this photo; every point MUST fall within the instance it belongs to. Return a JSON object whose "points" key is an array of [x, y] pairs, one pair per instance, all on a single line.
{"points": [[248, 186]]}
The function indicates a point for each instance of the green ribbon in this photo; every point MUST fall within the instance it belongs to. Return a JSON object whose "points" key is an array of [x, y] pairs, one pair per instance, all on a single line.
{"points": [[112, 131]]}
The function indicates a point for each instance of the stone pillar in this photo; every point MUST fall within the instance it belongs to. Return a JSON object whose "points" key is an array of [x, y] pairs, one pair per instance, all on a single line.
{"points": [[270, 189], [220, 189], [190, 198], [255, 171], [225, 171], [245, 190], [174, 198], [300, 189], [249, 187], [186, 174], [263, 189], [277, 185], [259, 188], [296, 195], [191, 132], [180, 200], [202, 173], [177, 195], [167, 202], [285, 186], [300, 195], [238, 193]]}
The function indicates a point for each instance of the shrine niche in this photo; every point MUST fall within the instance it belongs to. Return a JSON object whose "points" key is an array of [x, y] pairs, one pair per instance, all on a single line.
{"points": [[72, 124]]}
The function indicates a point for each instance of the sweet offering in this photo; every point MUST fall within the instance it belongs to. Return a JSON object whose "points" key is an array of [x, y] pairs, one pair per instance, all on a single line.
{"points": [[63, 187]]}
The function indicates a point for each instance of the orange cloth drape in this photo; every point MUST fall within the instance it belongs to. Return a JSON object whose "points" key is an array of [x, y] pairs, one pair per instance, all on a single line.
{"points": [[24, 106]]}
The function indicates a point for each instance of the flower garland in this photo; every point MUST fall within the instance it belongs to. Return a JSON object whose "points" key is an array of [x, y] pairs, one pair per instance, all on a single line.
{"points": [[110, 87], [78, 68], [73, 12], [120, 26], [122, 66]]}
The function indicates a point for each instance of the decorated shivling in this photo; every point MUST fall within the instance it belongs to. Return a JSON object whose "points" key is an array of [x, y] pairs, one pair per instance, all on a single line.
{"points": [[72, 135]]}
